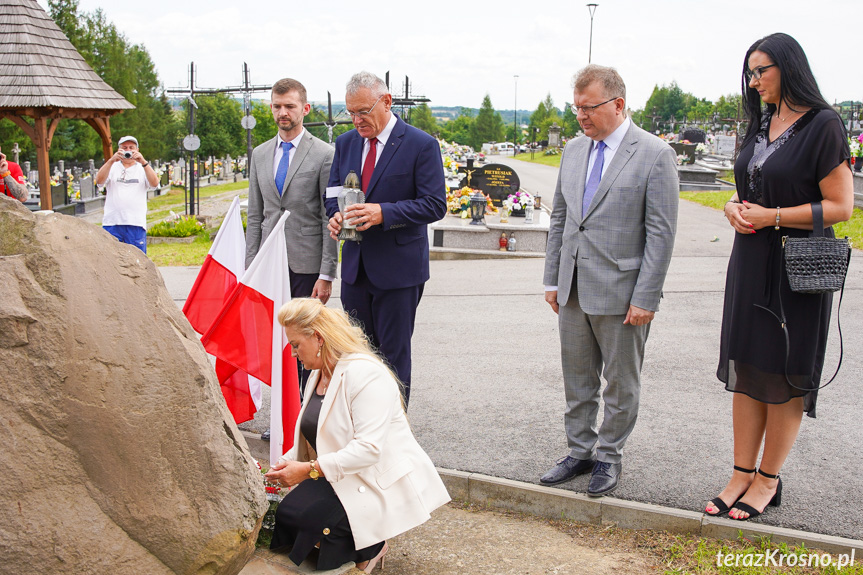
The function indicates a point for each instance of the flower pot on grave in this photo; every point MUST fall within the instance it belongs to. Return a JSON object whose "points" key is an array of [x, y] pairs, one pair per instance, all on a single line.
{"points": [[517, 212], [858, 164]]}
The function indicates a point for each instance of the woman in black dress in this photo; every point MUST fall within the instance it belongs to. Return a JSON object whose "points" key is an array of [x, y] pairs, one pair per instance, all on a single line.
{"points": [[795, 152]]}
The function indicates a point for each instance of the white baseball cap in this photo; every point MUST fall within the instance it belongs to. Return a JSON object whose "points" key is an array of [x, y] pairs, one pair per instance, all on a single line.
{"points": [[127, 139]]}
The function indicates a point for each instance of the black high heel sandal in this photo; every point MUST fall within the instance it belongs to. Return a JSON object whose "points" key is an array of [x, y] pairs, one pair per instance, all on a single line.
{"points": [[720, 504], [775, 501]]}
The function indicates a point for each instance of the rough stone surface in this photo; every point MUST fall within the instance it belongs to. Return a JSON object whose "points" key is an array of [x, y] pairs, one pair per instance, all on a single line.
{"points": [[118, 453]]}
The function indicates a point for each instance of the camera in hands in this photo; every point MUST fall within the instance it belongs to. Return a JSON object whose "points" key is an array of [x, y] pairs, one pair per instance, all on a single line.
{"points": [[127, 155]]}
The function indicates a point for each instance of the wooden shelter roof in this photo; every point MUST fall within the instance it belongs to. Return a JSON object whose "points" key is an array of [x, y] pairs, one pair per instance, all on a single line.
{"points": [[40, 68]]}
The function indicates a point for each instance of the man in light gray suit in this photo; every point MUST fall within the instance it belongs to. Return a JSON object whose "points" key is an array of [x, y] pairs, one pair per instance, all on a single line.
{"points": [[290, 172], [609, 246]]}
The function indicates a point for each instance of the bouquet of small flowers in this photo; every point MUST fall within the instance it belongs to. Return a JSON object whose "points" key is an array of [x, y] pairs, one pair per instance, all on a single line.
{"points": [[701, 148], [518, 201], [458, 201], [856, 145]]}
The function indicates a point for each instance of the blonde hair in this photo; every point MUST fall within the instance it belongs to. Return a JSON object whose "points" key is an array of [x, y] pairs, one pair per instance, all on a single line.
{"points": [[339, 334]]}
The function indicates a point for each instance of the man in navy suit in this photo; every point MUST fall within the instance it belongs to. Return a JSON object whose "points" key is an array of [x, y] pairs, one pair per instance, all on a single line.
{"points": [[402, 176]]}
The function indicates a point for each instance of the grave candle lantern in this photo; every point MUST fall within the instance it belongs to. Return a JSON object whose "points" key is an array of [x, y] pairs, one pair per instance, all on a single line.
{"points": [[477, 208], [349, 195]]}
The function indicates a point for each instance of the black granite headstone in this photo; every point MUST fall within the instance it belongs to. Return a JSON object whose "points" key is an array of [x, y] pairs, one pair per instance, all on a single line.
{"points": [[495, 180], [694, 135]]}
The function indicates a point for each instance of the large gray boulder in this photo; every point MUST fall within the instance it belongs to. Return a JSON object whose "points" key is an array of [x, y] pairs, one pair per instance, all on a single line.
{"points": [[117, 452]]}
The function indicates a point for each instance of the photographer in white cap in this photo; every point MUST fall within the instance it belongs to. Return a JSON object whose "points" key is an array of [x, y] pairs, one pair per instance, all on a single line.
{"points": [[126, 177]]}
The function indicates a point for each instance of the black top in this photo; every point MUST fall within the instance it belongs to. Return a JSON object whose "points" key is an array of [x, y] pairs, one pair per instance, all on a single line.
{"points": [[784, 173], [309, 423]]}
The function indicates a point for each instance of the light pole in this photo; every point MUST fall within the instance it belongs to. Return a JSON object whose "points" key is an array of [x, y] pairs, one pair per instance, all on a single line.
{"points": [[592, 8], [515, 113]]}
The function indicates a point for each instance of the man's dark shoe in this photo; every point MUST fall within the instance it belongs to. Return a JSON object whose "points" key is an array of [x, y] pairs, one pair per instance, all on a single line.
{"points": [[265, 436], [566, 468], [604, 478]]}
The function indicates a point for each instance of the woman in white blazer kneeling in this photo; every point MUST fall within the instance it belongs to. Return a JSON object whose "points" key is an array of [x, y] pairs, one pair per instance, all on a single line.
{"points": [[357, 474]]}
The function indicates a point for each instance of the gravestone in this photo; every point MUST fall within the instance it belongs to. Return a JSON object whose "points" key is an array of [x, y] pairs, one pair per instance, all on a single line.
{"points": [[725, 145], [554, 135], [694, 135], [495, 180]]}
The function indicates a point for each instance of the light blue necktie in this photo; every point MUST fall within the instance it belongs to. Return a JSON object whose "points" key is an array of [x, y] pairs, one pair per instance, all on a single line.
{"points": [[595, 176], [282, 171]]}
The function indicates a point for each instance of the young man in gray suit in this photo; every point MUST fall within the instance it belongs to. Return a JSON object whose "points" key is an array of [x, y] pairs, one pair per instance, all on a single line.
{"points": [[609, 246], [290, 172]]}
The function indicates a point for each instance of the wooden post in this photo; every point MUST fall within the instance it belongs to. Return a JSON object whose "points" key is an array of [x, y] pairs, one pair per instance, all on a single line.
{"points": [[103, 128], [41, 141]]}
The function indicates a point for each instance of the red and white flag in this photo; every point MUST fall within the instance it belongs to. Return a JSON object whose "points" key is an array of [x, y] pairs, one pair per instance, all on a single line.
{"points": [[224, 265], [246, 334]]}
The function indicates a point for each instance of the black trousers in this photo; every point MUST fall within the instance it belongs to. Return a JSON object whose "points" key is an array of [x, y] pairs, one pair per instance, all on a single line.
{"points": [[311, 513]]}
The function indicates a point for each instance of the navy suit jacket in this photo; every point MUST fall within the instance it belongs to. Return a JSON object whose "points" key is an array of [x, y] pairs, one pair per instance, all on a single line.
{"points": [[408, 183]]}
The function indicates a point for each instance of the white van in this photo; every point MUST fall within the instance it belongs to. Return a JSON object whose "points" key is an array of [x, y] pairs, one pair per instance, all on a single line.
{"points": [[498, 148]]}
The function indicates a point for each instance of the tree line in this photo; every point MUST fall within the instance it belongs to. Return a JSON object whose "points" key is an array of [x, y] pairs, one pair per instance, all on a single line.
{"points": [[160, 127]]}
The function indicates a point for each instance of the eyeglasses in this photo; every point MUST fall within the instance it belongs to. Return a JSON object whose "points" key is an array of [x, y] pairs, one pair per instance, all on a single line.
{"points": [[589, 110], [361, 115], [756, 73]]}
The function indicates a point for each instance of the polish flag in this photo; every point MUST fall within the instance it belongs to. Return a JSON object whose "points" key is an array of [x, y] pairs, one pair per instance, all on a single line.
{"points": [[224, 265], [246, 334]]}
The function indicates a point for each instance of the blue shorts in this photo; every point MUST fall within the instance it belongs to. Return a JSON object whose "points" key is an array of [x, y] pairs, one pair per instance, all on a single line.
{"points": [[132, 235]]}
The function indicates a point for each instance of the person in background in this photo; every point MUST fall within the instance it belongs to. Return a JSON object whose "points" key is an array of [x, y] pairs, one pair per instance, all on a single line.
{"points": [[126, 177], [12, 182]]}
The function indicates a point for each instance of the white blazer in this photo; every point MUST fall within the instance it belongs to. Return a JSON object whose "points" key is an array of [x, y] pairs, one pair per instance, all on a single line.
{"points": [[383, 478]]}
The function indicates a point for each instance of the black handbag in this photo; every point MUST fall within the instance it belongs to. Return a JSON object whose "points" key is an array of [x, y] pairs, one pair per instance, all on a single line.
{"points": [[816, 264], [813, 265]]}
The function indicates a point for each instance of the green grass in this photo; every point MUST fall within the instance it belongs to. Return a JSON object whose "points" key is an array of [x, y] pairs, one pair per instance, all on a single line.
{"points": [[853, 228], [192, 254], [699, 556], [160, 207], [540, 158]]}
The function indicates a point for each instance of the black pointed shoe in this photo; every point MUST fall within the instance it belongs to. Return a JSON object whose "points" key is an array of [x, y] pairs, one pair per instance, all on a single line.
{"points": [[604, 478], [565, 469]]}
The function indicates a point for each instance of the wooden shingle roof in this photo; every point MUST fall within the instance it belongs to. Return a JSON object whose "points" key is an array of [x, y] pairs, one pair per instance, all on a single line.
{"points": [[39, 66]]}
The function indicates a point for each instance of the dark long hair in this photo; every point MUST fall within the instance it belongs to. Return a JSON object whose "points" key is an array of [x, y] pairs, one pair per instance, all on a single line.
{"points": [[797, 86]]}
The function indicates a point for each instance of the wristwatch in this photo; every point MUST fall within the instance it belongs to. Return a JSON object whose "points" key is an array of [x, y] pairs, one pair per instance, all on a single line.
{"points": [[313, 473]]}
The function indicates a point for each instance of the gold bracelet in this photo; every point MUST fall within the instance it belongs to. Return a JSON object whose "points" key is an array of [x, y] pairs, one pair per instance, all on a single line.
{"points": [[777, 218], [313, 473], [8, 173]]}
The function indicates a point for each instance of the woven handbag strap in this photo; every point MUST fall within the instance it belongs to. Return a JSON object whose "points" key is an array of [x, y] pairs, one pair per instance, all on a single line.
{"points": [[817, 220]]}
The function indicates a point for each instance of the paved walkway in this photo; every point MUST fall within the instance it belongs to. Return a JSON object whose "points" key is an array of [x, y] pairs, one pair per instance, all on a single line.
{"points": [[487, 394]]}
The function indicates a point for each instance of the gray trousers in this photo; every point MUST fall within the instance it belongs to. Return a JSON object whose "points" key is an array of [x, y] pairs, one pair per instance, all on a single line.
{"points": [[590, 346]]}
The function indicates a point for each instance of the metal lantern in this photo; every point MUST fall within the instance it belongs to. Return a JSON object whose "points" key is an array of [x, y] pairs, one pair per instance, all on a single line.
{"points": [[349, 195], [477, 208]]}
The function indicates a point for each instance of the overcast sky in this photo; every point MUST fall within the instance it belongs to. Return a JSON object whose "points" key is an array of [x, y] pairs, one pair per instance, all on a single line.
{"points": [[456, 52]]}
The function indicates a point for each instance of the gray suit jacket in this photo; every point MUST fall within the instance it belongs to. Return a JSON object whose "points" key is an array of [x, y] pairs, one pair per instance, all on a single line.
{"points": [[622, 246], [310, 248]]}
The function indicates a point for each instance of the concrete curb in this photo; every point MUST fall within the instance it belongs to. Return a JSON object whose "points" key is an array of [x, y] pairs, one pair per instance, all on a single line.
{"points": [[552, 503]]}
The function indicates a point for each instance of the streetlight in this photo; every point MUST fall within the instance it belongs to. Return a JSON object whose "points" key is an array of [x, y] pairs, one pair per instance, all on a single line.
{"points": [[515, 114], [592, 8]]}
